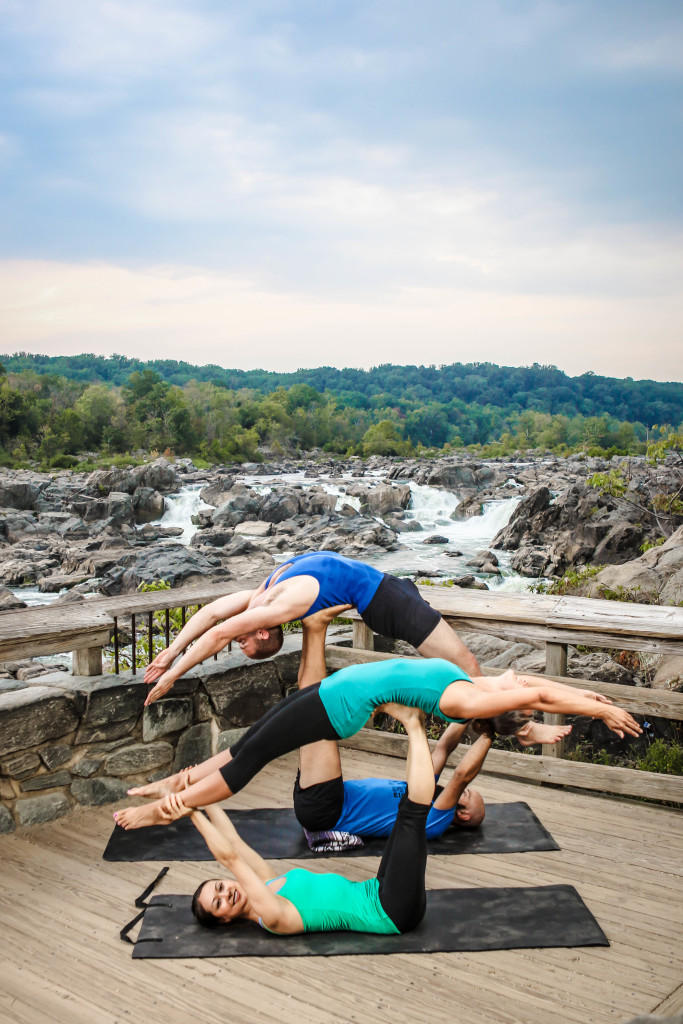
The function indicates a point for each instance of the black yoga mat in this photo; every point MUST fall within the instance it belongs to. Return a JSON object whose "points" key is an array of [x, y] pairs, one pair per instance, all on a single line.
{"points": [[276, 834], [462, 920]]}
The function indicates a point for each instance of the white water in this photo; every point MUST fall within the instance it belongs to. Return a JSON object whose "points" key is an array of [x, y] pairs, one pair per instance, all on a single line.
{"points": [[430, 506], [180, 508], [34, 597]]}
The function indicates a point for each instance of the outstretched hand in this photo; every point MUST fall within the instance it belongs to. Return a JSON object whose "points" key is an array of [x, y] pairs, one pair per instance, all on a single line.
{"points": [[156, 668], [620, 722], [161, 688]]}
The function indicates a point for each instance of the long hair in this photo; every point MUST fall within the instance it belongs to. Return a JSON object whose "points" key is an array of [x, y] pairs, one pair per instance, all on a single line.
{"points": [[509, 722], [204, 917], [505, 724]]}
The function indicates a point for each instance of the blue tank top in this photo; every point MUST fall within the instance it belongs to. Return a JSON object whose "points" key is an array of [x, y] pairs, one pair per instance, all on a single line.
{"points": [[350, 695], [371, 805], [342, 580], [328, 902]]}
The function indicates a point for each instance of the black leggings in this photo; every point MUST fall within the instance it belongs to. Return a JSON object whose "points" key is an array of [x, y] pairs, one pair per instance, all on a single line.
{"points": [[401, 873], [318, 807], [297, 720]]}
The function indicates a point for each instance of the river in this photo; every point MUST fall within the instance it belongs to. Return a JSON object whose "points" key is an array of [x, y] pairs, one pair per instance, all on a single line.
{"points": [[430, 506]]}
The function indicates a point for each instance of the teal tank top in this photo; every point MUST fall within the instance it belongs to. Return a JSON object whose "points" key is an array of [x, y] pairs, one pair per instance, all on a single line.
{"points": [[350, 695], [331, 903]]}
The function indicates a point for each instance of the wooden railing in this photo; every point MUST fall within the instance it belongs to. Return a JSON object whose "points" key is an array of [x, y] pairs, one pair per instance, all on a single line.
{"points": [[557, 622], [87, 627]]}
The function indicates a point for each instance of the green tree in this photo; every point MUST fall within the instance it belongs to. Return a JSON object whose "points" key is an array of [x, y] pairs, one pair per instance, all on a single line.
{"points": [[383, 438]]}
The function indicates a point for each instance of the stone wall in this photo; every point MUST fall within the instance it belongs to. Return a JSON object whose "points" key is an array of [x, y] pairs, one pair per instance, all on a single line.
{"points": [[67, 740]]}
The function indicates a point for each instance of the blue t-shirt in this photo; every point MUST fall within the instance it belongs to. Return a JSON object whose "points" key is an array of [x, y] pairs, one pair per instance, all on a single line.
{"points": [[350, 695], [342, 580], [371, 805]]}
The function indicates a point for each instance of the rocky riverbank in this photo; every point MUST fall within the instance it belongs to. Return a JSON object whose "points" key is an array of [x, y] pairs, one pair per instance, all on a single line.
{"points": [[100, 532]]}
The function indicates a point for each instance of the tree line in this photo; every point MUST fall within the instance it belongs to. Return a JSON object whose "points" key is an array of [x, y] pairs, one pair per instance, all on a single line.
{"points": [[55, 409]]}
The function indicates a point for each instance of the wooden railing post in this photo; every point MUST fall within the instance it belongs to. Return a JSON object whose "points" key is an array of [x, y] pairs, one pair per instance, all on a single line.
{"points": [[363, 637], [555, 665], [87, 661]]}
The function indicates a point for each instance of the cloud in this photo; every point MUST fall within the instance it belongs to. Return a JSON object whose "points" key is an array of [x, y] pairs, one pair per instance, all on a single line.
{"points": [[363, 168], [187, 313]]}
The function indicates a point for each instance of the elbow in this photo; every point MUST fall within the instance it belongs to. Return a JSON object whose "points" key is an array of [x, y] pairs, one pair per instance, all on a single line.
{"points": [[545, 699]]}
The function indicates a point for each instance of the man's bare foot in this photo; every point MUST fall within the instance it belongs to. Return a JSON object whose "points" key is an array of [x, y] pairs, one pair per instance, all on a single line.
{"points": [[140, 817], [538, 732], [162, 787]]}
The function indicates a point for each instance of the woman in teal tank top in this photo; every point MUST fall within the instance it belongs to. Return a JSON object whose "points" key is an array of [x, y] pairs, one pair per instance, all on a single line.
{"points": [[306, 901], [340, 705]]}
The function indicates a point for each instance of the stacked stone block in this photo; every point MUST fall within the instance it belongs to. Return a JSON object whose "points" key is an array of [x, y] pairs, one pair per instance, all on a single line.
{"points": [[68, 740]]}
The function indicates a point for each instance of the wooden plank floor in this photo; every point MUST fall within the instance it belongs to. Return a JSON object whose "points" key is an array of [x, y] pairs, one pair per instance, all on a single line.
{"points": [[61, 908]]}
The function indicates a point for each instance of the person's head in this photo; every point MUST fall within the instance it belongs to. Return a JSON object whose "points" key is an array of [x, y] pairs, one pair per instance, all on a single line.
{"points": [[261, 643], [470, 809], [218, 901], [506, 724]]}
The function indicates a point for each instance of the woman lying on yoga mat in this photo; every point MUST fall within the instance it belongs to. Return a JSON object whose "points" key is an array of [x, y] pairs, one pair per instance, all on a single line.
{"points": [[340, 706], [307, 901]]}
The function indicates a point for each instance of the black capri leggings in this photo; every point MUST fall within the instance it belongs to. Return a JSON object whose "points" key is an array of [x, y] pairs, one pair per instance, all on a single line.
{"points": [[297, 720], [401, 873]]}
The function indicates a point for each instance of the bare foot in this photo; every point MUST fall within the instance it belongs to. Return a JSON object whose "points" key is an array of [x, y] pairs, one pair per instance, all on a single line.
{"points": [[140, 817], [162, 787], [537, 732]]}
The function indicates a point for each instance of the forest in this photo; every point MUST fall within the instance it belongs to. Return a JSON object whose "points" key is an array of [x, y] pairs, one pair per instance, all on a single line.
{"points": [[55, 410]]}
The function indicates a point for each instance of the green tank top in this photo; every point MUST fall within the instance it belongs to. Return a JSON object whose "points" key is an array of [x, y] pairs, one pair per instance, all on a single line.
{"points": [[350, 695], [331, 903]]}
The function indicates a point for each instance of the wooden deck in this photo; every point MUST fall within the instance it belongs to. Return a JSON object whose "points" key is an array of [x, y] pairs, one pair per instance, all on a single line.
{"points": [[62, 906]]}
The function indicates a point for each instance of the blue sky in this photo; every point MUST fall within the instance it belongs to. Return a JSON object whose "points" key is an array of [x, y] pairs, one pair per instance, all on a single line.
{"points": [[294, 184]]}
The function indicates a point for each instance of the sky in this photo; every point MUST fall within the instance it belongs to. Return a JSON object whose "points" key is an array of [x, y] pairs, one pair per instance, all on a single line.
{"points": [[262, 183]]}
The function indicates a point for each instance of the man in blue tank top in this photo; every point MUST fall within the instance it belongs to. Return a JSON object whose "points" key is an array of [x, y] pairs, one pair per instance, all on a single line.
{"points": [[300, 588], [368, 807]]}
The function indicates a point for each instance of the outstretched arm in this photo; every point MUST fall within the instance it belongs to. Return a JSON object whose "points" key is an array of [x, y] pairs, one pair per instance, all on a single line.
{"points": [[284, 607], [446, 744], [312, 668], [465, 773], [471, 702], [264, 903], [205, 618]]}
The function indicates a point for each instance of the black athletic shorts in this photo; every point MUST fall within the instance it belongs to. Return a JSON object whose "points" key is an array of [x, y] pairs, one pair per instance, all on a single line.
{"points": [[398, 611], [319, 807]]}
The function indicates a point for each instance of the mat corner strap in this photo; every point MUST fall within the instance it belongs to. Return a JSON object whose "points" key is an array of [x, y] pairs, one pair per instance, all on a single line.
{"points": [[140, 902]]}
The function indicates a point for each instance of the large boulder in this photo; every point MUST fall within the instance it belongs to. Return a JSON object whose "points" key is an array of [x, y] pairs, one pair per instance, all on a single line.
{"points": [[381, 499], [240, 508], [8, 601], [160, 475], [278, 506], [174, 563], [657, 575], [550, 536], [102, 481], [472, 506], [148, 505], [214, 494], [21, 491]]}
